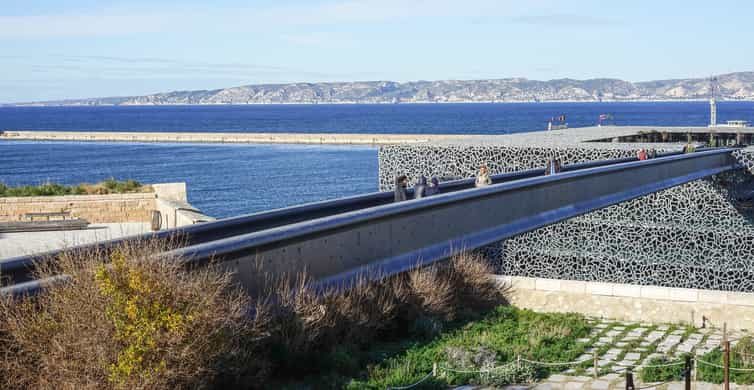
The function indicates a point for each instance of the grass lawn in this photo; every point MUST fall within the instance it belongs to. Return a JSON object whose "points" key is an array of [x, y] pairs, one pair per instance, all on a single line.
{"points": [[492, 340]]}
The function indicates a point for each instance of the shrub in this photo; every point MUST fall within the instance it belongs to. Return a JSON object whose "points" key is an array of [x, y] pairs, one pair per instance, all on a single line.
{"points": [[663, 374], [127, 319], [139, 322], [741, 356], [109, 186]]}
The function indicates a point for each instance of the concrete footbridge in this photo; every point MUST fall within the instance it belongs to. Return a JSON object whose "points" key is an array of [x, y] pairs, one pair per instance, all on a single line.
{"points": [[339, 240]]}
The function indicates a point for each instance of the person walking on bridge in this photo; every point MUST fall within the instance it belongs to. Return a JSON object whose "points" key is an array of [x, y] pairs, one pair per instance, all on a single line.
{"points": [[433, 188], [420, 188], [483, 178], [400, 188]]}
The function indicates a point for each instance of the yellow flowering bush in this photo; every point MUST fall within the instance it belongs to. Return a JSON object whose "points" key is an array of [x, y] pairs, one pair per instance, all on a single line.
{"points": [[140, 318]]}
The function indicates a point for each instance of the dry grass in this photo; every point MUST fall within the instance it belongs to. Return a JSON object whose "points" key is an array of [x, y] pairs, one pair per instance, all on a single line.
{"points": [[138, 323], [144, 323]]}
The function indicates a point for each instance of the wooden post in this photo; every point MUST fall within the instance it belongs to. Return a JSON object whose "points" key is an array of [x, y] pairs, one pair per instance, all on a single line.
{"points": [[726, 365], [687, 374], [596, 366], [629, 380]]}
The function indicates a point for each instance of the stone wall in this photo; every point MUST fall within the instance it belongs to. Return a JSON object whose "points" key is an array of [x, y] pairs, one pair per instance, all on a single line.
{"points": [[627, 302], [111, 208]]}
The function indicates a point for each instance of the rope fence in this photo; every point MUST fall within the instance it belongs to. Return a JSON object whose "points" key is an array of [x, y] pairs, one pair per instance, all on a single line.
{"points": [[414, 384], [739, 369], [438, 369]]}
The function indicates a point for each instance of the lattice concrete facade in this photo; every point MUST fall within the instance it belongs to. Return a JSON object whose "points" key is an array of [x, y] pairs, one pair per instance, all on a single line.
{"points": [[698, 235]]}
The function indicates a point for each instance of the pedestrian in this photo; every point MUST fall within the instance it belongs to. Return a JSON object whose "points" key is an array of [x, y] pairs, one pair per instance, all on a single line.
{"points": [[400, 188], [433, 188], [652, 153], [483, 178], [420, 188], [552, 167], [641, 154]]}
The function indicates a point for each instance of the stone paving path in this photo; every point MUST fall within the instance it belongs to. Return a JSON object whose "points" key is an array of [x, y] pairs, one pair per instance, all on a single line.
{"points": [[621, 345]]}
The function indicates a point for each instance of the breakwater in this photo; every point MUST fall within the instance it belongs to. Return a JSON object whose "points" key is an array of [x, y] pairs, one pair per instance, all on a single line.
{"points": [[237, 138]]}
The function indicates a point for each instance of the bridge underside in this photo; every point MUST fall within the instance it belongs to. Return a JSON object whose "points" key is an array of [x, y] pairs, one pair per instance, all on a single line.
{"points": [[697, 235]]}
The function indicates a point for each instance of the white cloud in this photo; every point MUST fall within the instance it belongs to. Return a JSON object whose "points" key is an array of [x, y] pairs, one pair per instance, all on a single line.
{"points": [[117, 22]]}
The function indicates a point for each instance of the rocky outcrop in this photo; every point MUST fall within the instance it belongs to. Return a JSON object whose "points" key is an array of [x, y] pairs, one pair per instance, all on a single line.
{"points": [[738, 86]]}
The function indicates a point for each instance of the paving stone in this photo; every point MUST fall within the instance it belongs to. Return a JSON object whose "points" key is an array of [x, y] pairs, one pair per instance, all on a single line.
{"points": [[685, 348], [678, 332], [632, 356], [662, 327], [613, 351], [573, 386], [603, 363], [601, 325], [654, 335], [610, 377], [581, 378], [612, 333], [543, 386], [599, 385], [605, 339], [557, 378], [619, 328], [570, 371], [645, 343], [676, 386], [621, 344], [640, 349]]}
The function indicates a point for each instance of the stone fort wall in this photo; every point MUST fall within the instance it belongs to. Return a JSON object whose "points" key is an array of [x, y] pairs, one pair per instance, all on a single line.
{"points": [[111, 208]]}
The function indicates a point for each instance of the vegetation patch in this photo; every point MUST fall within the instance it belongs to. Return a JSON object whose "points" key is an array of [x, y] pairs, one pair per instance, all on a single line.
{"points": [[659, 369], [741, 356], [126, 320], [129, 319], [109, 186], [491, 343]]}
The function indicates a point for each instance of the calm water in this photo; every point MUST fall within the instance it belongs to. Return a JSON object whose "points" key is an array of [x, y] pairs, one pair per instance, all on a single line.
{"points": [[395, 118], [226, 180], [223, 180]]}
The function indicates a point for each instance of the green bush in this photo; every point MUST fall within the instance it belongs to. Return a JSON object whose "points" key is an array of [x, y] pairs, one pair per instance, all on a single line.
{"points": [[109, 186], [741, 356], [663, 374]]}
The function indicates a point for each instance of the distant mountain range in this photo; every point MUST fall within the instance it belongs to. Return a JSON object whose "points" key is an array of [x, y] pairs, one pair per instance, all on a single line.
{"points": [[732, 86]]}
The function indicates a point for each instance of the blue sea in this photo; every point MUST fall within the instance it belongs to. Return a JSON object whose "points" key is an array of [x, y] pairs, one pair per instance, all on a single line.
{"points": [[227, 180]]}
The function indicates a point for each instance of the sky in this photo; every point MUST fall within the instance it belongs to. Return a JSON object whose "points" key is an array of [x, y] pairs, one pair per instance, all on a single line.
{"points": [[56, 49]]}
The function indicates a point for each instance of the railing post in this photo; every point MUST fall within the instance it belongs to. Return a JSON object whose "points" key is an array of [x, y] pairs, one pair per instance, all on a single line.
{"points": [[596, 366], [687, 373], [434, 369], [726, 365], [629, 379]]}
